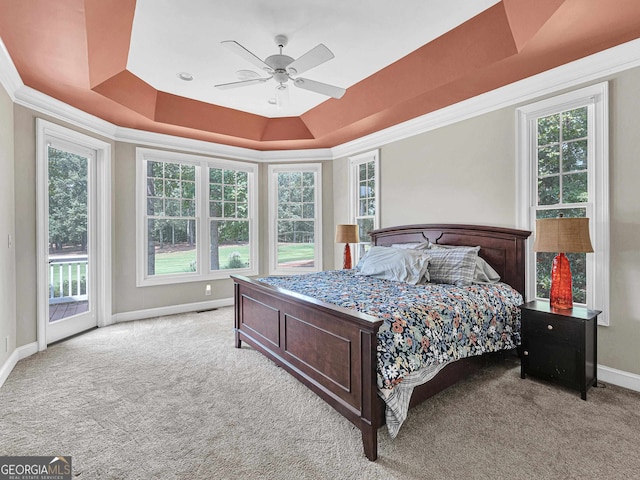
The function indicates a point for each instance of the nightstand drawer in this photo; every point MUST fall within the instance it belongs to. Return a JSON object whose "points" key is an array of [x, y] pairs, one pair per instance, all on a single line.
{"points": [[553, 328]]}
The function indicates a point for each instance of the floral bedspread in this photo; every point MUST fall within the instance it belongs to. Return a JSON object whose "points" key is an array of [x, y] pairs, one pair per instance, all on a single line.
{"points": [[423, 324]]}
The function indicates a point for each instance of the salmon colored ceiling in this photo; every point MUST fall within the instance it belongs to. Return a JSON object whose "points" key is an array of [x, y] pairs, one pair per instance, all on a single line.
{"points": [[76, 51]]}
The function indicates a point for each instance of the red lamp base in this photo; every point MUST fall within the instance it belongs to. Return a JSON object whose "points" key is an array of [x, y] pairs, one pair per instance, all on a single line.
{"points": [[346, 263], [561, 296]]}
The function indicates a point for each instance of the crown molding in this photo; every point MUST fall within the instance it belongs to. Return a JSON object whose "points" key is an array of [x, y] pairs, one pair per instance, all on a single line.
{"points": [[314, 154], [46, 105], [161, 140], [9, 76], [579, 72]]}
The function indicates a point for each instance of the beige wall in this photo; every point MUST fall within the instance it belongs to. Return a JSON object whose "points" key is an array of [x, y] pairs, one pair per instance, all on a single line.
{"points": [[465, 173], [619, 344], [7, 227], [25, 198], [417, 186]]}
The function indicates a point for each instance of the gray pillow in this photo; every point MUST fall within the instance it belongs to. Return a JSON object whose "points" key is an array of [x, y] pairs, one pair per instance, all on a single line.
{"points": [[483, 273], [452, 265], [395, 264]]}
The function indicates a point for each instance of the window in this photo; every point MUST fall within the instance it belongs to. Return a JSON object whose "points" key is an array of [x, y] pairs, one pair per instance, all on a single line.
{"points": [[229, 219], [563, 145], [195, 218], [295, 213], [171, 218], [364, 195]]}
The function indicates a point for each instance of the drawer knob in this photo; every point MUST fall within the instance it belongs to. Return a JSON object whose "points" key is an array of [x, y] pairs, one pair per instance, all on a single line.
{"points": [[526, 353], [550, 327]]}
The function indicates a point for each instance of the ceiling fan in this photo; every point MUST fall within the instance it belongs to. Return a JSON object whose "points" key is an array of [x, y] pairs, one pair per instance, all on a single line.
{"points": [[283, 68]]}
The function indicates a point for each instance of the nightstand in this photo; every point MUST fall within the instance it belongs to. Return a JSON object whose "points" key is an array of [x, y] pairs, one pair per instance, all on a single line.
{"points": [[560, 345]]}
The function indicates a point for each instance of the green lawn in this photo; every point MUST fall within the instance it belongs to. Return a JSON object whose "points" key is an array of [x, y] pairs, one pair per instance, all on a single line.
{"points": [[180, 262], [295, 252]]}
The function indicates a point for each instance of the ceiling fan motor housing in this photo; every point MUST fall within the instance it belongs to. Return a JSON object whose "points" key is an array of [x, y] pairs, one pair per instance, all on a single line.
{"points": [[278, 64]]}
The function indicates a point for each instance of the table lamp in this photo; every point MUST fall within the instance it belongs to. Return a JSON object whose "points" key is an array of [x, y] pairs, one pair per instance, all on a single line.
{"points": [[347, 234], [562, 235]]}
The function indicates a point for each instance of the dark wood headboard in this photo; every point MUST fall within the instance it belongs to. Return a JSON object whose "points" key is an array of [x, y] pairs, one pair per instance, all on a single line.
{"points": [[503, 248]]}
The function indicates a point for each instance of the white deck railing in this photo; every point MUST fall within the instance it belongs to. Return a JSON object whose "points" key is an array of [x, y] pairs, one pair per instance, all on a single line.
{"points": [[66, 273]]}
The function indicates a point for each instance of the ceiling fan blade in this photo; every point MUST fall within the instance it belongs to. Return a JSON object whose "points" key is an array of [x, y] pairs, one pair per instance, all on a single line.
{"points": [[319, 87], [314, 57], [246, 54], [242, 83]]}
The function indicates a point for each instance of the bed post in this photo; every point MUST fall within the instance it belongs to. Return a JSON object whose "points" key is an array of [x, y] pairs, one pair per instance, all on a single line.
{"points": [[236, 322], [370, 420]]}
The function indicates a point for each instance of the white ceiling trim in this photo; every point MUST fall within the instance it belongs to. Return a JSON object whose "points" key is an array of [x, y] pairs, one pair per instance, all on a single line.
{"points": [[9, 76], [40, 102], [579, 72]]}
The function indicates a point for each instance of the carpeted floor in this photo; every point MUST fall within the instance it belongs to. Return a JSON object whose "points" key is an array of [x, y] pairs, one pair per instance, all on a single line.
{"points": [[171, 398]]}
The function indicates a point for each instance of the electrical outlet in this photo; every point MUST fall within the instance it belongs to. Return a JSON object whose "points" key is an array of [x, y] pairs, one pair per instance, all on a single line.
{"points": [[10, 241], [207, 289]]}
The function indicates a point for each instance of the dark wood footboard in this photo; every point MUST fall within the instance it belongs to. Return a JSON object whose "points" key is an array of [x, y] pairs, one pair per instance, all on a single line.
{"points": [[330, 349]]}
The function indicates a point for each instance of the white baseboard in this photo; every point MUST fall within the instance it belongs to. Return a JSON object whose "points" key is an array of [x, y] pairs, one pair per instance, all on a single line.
{"points": [[171, 310], [17, 355], [619, 378]]}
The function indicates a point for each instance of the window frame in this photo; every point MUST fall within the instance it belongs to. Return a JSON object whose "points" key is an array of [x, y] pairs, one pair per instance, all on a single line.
{"points": [[354, 179], [595, 98], [202, 217], [273, 170]]}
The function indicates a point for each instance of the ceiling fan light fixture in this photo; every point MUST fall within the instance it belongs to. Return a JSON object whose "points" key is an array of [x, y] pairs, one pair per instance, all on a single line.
{"points": [[282, 96]]}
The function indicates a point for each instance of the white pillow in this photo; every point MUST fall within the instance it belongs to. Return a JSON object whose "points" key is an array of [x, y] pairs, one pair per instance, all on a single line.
{"points": [[400, 265], [414, 246], [484, 273]]}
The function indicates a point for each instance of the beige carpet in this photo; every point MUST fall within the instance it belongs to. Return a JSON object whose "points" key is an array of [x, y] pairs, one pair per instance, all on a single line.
{"points": [[170, 398]]}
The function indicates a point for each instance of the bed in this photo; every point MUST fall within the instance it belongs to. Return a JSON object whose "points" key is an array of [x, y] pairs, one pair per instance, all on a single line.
{"points": [[333, 350]]}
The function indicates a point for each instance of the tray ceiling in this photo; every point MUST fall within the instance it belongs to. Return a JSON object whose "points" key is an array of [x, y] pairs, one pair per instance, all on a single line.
{"points": [[119, 60]]}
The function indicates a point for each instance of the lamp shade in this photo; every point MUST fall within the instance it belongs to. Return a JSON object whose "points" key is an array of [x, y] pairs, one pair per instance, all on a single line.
{"points": [[568, 235], [347, 234]]}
